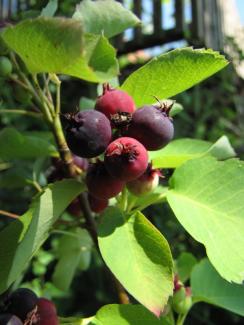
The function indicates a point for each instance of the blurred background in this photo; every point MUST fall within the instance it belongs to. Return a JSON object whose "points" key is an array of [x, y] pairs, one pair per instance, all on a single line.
{"points": [[211, 109]]}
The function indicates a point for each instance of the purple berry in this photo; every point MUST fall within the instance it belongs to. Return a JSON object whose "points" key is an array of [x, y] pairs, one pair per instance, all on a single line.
{"points": [[21, 302], [88, 133], [151, 126]]}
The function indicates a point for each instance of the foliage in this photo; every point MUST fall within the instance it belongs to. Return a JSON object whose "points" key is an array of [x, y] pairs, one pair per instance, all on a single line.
{"points": [[48, 248]]}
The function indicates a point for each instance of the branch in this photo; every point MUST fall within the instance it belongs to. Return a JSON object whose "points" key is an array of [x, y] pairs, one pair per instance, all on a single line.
{"points": [[9, 214]]}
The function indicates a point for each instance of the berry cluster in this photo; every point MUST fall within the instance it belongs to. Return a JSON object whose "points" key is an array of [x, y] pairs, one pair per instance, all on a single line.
{"points": [[23, 307], [123, 134]]}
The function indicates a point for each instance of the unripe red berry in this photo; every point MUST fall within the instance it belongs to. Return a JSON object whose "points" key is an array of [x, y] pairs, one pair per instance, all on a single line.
{"points": [[97, 205], [100, 183], [152, 126], [46, 312], [146, 183], [88, 133], [182, 300], [126, 159], [114, 101]]}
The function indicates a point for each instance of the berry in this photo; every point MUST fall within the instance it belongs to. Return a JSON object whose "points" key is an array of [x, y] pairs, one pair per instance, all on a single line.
{"points": [[146, 183], [97, 205], [182, 300], [5, 66], [88, 133], [75, 208], [82, 163], [126, 159], [46, 312], [114, 101], [100, 183], [9, 319], [151, 126], [21, 302]]}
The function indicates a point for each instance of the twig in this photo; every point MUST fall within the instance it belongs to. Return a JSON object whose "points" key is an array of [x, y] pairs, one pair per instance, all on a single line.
{"points": [[21, 112], [9, 214]]}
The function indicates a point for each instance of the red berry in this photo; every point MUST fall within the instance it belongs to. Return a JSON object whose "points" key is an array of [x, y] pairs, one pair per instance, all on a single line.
{"points": [[88, 133], [152, 126], [114, 101], [97, 205], [126, 159], [46, 312], [146, 183], [100, 183]]}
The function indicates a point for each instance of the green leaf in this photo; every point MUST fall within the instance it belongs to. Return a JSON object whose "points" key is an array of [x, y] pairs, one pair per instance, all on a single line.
{"points": [[73, 249], [108, 17], [98, 63], [46, 44], [184, 265], [21, 239], [86, 103], [181, 150], [138, 255], [222, 149], [50, 8], [75, 320], [142, 202], [15, 145], [171, 73], [207, 197], [208, 286], [126, 315]]}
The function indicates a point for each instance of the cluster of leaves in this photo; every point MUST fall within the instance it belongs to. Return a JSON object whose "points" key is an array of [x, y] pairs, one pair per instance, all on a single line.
{"points": [[205, 191]]}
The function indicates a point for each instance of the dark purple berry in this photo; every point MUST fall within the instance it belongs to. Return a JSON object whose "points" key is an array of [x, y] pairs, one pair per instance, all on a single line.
{"points": [[151, 126], [9, 319], [126, 159], [100, 183], [114, 101], [81, 163], [21, 302], [88, 133]]}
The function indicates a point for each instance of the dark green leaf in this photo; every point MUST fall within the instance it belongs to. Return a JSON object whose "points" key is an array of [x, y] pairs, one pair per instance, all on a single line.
{"points": [[20, 240], [14, 145], [50, 8], [184, 265], [208, 286]]}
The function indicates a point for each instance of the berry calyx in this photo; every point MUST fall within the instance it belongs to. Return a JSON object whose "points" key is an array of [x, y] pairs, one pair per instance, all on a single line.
{"points": [[114, 101], [152, 126], [96, 204], [46, 312], [100, 183], [88, 133], [146, 183], [126, 159], [21, 302]]}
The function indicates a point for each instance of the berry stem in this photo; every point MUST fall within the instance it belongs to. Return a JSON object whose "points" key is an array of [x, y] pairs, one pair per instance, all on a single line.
{"points": [[9, 214], [21, 112]]}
